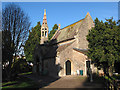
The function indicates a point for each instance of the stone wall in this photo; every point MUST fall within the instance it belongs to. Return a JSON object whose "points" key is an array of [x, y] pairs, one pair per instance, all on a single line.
{"points": [[65, 55], [77, 60], [56, 65], [83, 30]]}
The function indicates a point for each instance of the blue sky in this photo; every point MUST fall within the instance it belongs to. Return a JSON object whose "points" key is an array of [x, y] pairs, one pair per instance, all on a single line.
{"points": [[66, 13]]}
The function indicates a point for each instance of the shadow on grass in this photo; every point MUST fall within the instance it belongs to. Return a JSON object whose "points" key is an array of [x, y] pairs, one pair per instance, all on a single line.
{"points": [[41, 81], [21, 82], [97, 83], [9, 83]]}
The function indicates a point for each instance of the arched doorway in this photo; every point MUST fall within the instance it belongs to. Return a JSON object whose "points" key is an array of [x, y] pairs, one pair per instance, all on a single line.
{"points": [[68, 67]]}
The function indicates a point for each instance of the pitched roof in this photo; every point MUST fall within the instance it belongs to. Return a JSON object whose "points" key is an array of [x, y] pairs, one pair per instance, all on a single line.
{"points": [[63, 46], [69, 31], [65, 29]]}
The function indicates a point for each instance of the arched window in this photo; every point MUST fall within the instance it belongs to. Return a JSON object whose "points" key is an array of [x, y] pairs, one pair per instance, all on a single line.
{"points": [[46, 33], [43, 33]]}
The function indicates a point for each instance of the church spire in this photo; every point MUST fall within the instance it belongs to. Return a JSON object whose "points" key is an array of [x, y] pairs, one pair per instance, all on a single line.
{"points": [[44, 29], [44, 18], [44, 11]]}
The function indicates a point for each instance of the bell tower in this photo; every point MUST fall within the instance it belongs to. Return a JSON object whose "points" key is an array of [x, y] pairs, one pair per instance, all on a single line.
{"points": [[44, 29]]}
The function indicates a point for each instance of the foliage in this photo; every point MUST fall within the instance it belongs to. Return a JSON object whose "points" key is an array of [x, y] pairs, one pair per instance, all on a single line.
{"points": [[20, 82], [33, 40], [104, 43], [26, 73], [117, 67], [21, 66], [116, 77], [52, 32], [15, 26]]}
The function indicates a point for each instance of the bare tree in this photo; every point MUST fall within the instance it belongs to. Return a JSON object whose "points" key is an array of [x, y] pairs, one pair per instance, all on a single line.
{"points": [[15, 26]]}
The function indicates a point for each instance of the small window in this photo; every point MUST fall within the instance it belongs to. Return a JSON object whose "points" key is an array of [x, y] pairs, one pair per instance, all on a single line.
{"points": [[42, 28], [45, 28], [46, 33], [42, 33]]}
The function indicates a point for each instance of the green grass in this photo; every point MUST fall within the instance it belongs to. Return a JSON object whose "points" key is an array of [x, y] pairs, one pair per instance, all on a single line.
{"points": [[20, 82], [10, 82], [25, 73]]}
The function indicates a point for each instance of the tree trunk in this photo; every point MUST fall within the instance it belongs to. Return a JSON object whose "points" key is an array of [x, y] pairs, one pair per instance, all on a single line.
{"points": [[110, 71], [111, 68]]}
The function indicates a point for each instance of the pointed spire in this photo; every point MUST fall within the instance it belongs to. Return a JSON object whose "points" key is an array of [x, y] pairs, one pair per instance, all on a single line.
{"points": [[44, 29], [44, 11], [44, 19], [44, 14]]}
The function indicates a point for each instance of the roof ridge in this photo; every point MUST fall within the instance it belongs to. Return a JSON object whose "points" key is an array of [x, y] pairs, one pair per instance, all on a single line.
{"points": [[73, 23], [66, 27], [54, 34]]}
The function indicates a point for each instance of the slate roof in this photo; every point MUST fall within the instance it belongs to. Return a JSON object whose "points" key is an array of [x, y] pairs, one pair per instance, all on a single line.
{"points": [[63, 47], [67, 32]]}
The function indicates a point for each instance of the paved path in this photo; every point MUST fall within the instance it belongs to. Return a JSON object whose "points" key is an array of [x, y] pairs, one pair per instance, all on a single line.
{"points": [[67, 82], [74, 82]]}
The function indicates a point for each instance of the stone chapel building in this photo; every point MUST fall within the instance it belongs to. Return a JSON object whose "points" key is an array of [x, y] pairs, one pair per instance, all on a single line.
{"points": [[65, 53]]}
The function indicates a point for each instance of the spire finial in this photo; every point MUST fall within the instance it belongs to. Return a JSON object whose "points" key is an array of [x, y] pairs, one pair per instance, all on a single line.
{"points": [[44, 11]]}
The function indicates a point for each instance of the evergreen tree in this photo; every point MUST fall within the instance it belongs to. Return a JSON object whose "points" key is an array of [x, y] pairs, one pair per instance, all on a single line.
{"points": [[52, 32], [104, 44], [33, 40]]}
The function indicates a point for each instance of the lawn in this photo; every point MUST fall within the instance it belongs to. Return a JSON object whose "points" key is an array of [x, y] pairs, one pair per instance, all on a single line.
{"points": [[20, 82], [25, 73]]}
